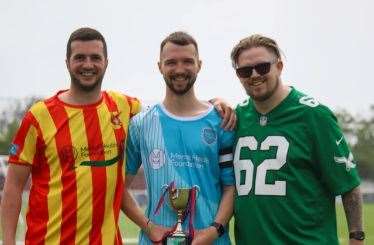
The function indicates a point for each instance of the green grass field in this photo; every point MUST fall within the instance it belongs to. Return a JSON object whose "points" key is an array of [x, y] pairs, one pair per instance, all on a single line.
{"points": [[130, 230]]}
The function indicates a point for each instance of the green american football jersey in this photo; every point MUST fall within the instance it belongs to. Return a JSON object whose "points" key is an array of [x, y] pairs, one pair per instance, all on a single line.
{"points": [[289, 166]]}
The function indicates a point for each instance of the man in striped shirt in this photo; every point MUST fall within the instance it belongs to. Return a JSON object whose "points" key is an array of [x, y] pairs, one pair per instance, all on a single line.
{"points": [[72, 144]]}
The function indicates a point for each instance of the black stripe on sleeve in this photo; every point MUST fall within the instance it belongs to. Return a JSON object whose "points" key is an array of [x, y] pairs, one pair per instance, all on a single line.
{"points": [[227, 164], [225, 151]]}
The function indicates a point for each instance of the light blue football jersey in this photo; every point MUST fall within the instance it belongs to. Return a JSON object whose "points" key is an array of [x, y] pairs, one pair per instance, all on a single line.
{"points": [[187, 150]]}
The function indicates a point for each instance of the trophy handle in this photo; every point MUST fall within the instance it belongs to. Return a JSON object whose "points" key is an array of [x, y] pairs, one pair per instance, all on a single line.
{"points": [[164, 187], [197, 190], [164, 190]]}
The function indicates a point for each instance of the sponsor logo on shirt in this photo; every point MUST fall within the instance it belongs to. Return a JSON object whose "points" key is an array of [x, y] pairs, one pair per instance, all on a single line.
{"points": [[13, 149], [338, 141], [209, 136], [82, 155], [157, 158], [185, 160], [102, 163]]}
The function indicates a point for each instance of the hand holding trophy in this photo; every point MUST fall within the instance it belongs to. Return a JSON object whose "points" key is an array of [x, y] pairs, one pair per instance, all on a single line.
{"points": [[183, 202]]}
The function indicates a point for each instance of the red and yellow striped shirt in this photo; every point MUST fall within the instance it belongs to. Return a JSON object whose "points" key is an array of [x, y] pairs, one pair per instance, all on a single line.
{"points": [[77, 157]]}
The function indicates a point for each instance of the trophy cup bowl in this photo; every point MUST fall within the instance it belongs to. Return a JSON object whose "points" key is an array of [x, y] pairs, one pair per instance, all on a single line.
{"points": [[178, 199]]}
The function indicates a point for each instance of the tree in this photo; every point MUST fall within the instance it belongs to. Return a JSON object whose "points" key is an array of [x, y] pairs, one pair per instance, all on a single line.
{"points": [[10, 119], [360, 134], [6, 138]]}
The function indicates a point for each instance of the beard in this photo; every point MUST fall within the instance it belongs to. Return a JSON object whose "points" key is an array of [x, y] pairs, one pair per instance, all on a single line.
{"points": [[169, 82], [267, 95], [86, 88]]}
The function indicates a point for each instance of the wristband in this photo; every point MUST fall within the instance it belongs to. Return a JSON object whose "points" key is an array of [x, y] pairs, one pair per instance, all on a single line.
{"points": [[219, 228], [357, 235], [149, 226]]}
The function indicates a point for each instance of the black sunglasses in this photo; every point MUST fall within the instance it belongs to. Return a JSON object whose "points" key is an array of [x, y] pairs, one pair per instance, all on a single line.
{"points": [[261, 69]]}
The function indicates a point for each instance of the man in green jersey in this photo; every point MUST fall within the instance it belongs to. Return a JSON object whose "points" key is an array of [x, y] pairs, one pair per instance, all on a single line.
{"points": [[291, 158]]}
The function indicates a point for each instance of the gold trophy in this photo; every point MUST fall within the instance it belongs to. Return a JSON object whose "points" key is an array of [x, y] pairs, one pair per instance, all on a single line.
{"points": [[179, 199]]}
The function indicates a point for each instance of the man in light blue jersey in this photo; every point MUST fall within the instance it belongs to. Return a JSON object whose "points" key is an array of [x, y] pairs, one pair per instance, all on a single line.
{"points": [[181, 140]]}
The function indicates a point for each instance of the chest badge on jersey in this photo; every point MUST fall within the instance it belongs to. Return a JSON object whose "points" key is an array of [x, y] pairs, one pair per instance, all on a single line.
{"points": [[208, 135], [157, 158], [115, 120], [263, 120]]}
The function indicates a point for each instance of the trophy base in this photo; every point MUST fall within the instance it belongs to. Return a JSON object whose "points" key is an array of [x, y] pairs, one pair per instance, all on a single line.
{"points": [[177, 240]]}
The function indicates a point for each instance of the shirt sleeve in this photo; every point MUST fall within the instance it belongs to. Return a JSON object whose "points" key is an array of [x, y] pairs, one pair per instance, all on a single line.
{"points": [[23, 149], [135, 106], [133, 156], [226, 157], [335, 160]]}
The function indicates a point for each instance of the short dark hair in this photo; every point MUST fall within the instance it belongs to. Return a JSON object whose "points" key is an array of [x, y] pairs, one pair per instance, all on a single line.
{"points": [[85, 34], [179, 38]]}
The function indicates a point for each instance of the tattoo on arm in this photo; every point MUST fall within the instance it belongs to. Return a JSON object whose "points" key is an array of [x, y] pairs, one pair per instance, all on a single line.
{"points": [[352, 202]]}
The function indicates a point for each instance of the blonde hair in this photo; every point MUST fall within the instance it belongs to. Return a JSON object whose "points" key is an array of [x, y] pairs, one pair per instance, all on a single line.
{"points": [[255, 40]]}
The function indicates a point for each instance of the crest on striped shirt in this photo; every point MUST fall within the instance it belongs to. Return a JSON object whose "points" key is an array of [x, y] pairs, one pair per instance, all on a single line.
{"points": [[208, 135], [114, 118]]}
